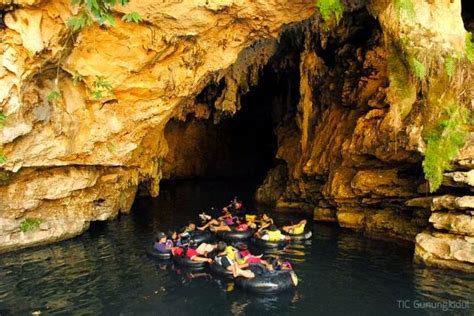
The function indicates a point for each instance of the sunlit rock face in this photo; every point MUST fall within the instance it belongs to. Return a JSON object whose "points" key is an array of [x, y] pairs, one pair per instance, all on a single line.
{"points": [[76, 159], [350, 160], [343, 152]]}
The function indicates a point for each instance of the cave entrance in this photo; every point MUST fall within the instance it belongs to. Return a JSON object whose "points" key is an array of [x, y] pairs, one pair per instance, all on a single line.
{"points": [[238, 147]]}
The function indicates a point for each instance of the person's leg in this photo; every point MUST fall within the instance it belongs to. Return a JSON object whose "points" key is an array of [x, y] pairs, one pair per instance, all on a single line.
{"points": [[211, 222], [294, 278], [234, 270], [266, 264], [204, 248], [201, 249], [200, 259], [245, 273], [222, 228]]}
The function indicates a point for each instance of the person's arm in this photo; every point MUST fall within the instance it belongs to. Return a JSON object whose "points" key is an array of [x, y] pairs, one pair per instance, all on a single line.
{"points": [[266, 225], [228, 215]]}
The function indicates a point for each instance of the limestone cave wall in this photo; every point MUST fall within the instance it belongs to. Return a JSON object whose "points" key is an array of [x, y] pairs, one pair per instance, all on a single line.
{"points": [[353, 165], [105, 146]]}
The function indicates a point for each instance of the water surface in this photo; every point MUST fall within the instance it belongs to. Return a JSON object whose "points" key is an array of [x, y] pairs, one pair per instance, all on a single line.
{"points": [[106, 271]]}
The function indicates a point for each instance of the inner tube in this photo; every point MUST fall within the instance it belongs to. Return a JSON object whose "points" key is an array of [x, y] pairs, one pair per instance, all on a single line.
{"points": [[219, 270], [198, 237], [235, 235], [185, 262], [300, 237], [268, 244], [268, 283], [152, 252]]}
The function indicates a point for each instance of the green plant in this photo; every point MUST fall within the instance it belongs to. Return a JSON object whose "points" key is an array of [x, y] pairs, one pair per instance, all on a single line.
{"points": [[76, 78], [5, 177], [132, 17], [54, 95], [79, 21], [444, 142], [450, 66], [405, 8], [330, 9], [3, 159], [2, 120], [101, 88], [469, 47], [418, 68], [30, 224], [99, 11], [401, 93]]}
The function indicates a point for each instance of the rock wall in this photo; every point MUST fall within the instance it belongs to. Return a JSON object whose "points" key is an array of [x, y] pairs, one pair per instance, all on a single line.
{"points": [[356, 163], [75, 158]]}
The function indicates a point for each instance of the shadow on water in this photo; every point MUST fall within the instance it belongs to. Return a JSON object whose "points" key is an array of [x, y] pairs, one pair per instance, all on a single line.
{"points": [[106, 270]]}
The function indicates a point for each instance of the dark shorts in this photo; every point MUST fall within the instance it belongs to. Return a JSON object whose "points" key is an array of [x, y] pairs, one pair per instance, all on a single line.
{"points": [[225, 262]]}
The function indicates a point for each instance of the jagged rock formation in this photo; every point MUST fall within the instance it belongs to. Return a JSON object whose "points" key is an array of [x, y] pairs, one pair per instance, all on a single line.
{"points": [[355, 163], [349, 146], [76, 159]]}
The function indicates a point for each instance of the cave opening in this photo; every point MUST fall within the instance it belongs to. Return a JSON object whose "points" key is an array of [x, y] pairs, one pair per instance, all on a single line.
{"points": [[245, 145], [242, 146], [467, 13]]}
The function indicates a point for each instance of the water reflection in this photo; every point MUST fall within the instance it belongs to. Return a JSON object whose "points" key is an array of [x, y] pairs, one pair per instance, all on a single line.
{"points": [[107, 271]]}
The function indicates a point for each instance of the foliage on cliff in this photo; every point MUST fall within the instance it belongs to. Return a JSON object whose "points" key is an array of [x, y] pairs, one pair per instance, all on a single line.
{"points": [[99, 11], [330, 10], [469, 47], [405, 8], [30, 224], [436, 79], [444, 142]]}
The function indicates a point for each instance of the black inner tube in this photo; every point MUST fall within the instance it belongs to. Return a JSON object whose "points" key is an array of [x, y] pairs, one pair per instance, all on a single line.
{"points": [[198, 237], [152, 252], [220, 270], [268, 244], [267, 283], [184, 261], [236, 235], [307, 234]]}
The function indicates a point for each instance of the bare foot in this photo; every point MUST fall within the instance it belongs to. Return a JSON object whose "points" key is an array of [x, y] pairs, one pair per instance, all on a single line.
{"points": [[294, 278]]}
